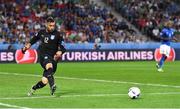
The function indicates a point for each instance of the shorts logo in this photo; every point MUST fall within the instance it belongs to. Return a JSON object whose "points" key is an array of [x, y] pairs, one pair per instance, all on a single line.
{"points": [[157, 55], [29, 57], [52, 37]]}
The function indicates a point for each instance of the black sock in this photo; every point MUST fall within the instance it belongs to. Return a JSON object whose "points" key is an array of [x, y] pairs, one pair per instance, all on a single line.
{"points": [[51, 81], [50, 77], [39, 85]]}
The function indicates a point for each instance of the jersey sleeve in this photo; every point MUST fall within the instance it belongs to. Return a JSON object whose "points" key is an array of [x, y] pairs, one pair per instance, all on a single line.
{"points": [[61, 46], [162, 33], [35, 38], [174, 32]]}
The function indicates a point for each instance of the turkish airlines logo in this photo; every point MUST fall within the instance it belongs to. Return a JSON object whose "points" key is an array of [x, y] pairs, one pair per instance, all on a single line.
{"points": [[29, 57], [171, 57]]}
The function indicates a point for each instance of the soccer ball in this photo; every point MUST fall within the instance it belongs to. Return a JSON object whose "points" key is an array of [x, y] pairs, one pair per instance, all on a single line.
{"points": [[134, 92]]}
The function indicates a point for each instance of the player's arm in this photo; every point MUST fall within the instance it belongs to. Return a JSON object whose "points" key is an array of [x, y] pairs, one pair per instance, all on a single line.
{"points": [[175, 39], [26, 47], [61, 50], [31, 42]]}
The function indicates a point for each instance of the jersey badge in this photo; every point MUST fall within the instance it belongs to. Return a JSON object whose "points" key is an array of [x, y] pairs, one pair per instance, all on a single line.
{"points": [[52, 37]]}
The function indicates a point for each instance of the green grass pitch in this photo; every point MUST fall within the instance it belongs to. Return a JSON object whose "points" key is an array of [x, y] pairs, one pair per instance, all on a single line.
{"points": [[92, 85]]}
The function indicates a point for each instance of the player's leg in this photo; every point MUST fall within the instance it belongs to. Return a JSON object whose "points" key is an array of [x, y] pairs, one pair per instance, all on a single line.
{"points": [[50, 69], [53, 88], [165, 51], [161, 62], [49, 74], [47, 78], [43, 82]]}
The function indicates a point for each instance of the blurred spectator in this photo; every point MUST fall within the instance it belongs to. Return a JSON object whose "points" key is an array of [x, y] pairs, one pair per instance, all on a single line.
{"points": [[80, 21], [149, 15]]}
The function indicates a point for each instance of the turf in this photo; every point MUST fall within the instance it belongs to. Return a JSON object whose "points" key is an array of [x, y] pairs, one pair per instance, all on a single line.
{"points": [[93, 85]]}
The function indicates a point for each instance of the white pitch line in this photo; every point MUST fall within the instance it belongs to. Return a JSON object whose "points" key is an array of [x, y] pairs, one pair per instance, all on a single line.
{"points": [[97, 80], [13, 106], [84, 95], [20, 98]]}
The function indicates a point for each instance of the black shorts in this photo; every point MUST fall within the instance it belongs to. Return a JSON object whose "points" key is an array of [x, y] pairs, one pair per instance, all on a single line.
{"points": [[45, 59]]}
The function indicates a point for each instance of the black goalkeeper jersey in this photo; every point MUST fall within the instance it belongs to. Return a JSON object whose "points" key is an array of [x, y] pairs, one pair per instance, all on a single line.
{"points": [[50, 42]]}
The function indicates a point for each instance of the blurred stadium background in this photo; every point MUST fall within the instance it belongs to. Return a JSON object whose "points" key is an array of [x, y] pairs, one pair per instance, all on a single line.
{"points": [[90, 24], [94, 30]]}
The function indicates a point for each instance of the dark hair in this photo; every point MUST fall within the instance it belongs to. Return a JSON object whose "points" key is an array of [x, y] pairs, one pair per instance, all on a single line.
{"points": [[50, 19]]}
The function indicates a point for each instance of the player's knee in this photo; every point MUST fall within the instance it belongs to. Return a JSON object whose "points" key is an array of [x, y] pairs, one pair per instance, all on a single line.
{"points": [[44, 80], [49, 65]]}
